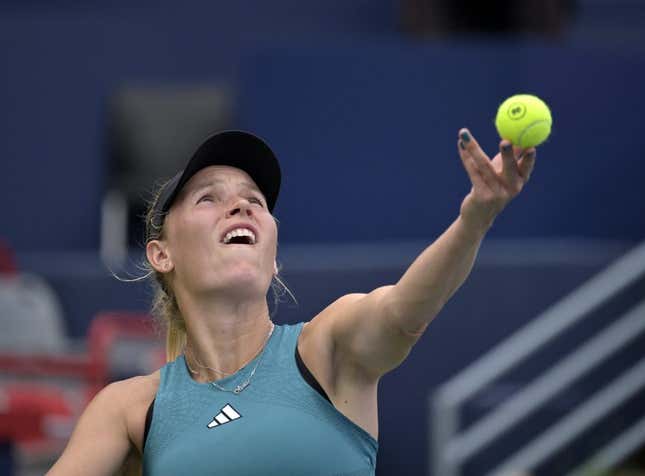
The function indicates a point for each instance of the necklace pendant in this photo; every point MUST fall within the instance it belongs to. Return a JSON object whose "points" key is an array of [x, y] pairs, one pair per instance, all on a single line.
{"points": [[241, 387]]}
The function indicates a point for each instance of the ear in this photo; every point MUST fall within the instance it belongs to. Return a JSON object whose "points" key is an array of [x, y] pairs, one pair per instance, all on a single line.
{"points": [[158, 256]]}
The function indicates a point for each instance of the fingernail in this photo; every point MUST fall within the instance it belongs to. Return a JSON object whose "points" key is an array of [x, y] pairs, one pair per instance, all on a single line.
{"points": [[530, 155], [461, 144], [506, 147], [465, 136]]}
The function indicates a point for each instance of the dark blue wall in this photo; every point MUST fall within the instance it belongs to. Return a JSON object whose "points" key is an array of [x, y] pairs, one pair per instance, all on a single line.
{"points": [[60, 62], [365, 123], [368, 136]]}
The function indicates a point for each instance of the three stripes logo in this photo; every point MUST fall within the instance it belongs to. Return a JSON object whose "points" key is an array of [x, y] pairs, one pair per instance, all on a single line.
{"points": [[225, 415]]}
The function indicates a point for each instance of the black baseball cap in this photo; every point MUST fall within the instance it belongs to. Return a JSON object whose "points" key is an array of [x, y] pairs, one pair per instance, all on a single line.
{"points": [[235, 148]]}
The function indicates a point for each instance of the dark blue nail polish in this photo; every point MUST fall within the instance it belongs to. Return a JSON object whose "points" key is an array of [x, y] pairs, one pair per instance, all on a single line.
{"points": [[506, 147], [465, 137], [461, 144], [530, 155]]}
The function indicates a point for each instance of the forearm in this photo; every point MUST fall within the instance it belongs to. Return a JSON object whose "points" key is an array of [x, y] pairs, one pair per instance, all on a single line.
{"points": [[435, 276]]}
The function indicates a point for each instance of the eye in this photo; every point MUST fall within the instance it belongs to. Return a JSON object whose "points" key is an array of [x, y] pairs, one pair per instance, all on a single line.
{"points": [[206, 198], [256, 200]]}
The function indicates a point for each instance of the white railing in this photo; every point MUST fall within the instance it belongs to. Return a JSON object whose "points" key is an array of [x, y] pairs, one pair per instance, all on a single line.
{"points": [[615, 451], [452, 449]]}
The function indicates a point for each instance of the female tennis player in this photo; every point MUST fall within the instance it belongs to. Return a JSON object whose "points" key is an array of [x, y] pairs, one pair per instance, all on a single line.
{"points": [[240, 395]]}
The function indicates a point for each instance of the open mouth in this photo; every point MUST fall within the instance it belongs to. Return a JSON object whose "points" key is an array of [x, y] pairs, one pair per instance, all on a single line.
{"points": [[239, 236], [240, 240]]}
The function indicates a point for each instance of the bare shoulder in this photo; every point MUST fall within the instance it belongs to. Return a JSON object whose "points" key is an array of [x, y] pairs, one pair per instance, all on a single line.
{"points": [[316, 338], [124, 394], [320, 327], [110, 427], [340, 317], [323, 321], [136, 395], [141, 386]]}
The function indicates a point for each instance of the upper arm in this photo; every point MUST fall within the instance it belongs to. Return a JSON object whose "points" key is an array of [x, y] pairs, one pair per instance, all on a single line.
{"points": [[100, 442], [366, 334]]}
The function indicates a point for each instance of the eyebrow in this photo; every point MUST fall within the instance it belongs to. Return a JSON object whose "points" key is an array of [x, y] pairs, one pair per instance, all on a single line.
{"points": [[202, 185]]}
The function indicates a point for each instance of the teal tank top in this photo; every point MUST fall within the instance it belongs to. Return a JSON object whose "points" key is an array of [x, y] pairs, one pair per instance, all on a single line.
{"points": [[279, 425]]}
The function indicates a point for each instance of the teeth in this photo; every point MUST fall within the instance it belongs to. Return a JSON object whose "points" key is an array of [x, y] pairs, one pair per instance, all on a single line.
{"points": [[239, 232]]}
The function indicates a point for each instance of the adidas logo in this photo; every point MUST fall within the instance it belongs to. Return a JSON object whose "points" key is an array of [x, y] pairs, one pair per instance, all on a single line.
{"points": [[225, 415]]}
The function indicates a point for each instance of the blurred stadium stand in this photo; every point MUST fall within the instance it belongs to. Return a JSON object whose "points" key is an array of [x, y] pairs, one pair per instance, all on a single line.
{"points": [[439, 18], [363, 111], [43, 392], [568, 383], [150, 132], [28, 302]]}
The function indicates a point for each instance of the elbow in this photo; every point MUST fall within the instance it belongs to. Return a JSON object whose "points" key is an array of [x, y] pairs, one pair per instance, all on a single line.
{"points": [[415, 332]]}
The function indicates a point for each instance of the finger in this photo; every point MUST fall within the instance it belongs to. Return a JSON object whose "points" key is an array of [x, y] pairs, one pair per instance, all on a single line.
{"points": [[476, 178], [526, 164], [510, 169], [518, 151], [482, 161]]}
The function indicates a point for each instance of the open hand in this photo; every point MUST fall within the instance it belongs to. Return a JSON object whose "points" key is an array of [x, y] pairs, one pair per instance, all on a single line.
{"points": [[494, 182]]}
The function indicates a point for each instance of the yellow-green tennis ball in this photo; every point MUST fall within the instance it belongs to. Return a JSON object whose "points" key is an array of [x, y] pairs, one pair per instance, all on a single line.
{"points": [[524, 119]]}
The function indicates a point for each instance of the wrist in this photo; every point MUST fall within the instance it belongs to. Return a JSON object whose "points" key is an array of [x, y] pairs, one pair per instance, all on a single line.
{"points": [[474, 227]]}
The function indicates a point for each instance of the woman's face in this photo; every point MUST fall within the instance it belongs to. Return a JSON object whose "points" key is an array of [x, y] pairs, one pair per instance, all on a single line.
{"points": [[202, 252]]}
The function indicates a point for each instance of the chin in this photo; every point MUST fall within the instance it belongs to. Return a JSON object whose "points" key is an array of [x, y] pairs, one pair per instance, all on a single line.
{"points": [[248, 280]]}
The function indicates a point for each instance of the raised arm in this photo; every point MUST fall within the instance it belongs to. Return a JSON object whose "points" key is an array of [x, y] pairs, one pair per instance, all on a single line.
{"points": [[377, 330], [100, 442]]}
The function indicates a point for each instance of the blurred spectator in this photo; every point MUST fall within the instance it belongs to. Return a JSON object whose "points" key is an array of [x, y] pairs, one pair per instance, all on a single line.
{"points": [[448, 17]]}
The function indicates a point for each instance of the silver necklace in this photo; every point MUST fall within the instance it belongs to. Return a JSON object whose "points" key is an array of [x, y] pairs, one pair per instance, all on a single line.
{"points": [[199, 364], [192, 356], [240, 387]]}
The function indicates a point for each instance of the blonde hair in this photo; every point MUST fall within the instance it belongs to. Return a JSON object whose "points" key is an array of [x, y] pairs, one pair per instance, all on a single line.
{"points": [[165, 309]]}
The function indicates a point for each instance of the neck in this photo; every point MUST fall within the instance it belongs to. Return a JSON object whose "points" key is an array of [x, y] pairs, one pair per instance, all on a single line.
{"points": [[223, 334]]}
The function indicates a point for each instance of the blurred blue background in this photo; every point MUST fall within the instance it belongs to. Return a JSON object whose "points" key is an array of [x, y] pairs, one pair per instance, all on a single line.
{"points": [[362, 102]]}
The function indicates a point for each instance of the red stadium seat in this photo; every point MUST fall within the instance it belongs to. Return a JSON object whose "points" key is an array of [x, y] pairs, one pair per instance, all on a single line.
{"points": [[42, 394]]}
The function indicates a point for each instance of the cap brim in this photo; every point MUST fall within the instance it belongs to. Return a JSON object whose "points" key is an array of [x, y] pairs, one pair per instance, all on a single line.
{"points": [[239, 149]]}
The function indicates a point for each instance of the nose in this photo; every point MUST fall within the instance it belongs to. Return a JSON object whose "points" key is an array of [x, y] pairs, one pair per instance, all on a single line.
{"points": [[241, 206]]}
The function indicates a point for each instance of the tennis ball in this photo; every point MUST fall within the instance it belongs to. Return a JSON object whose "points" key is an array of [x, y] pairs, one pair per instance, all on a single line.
{"points": [[524, 120]]}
